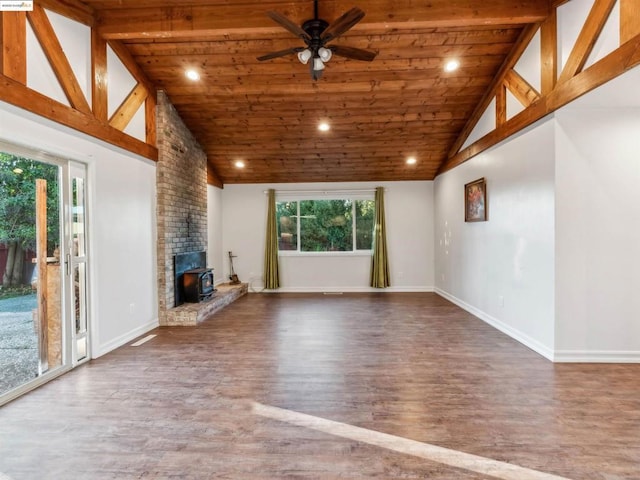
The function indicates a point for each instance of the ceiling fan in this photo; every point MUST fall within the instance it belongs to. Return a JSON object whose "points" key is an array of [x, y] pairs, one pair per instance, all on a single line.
{"points": [[316, 34]]}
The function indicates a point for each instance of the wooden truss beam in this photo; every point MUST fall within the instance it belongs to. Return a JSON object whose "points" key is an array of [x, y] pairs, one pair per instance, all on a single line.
{"points": [[90, 119], [21, 96], [236, 17], [626, 57], [586, 40], [13, 51], [57, 59], [571, 84]]}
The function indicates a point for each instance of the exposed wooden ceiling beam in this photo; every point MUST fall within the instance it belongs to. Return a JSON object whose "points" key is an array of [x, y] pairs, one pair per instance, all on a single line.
{"points": [[57, 59], [616, 63], [520, 88], [498, 81], [73, 9], [629, 19], [189, 21], [587, 39], [23, 97], [13, 45], [129, 107]]}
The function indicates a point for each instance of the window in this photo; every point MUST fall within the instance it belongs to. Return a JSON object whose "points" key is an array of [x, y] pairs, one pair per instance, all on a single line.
{"points": [[342, 225]]}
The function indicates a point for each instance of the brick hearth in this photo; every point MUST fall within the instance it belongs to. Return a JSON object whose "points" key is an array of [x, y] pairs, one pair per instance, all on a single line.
{"points": [[190, 314]]}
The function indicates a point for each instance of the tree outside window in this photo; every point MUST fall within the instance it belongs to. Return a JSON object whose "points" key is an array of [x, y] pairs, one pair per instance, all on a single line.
{"points": [[325, 225]]}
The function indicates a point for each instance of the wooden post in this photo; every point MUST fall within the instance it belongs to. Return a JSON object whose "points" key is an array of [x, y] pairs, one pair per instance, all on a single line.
{"points": [[41, 252], [629, 19]]}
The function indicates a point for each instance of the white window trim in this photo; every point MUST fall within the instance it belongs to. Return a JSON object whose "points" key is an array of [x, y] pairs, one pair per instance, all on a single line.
{"points": [[298, 196]]}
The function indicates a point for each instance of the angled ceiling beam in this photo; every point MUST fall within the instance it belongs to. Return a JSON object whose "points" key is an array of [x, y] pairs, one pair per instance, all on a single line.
{"points": [[134, 69], [191, 21], [520, 88], [73, 9], [91, 120], [21, 96], [497, 83], [129, 107], [57, 59], [626, 57], [587, 39]]}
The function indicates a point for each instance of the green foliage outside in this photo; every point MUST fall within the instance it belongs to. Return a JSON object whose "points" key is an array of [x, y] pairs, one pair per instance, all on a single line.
{"points": [[325, 225], [12, 292], [365, 221], [18, 209], [287, 219]]}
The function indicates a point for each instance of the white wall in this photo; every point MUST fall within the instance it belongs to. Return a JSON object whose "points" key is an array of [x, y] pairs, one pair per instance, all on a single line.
{"points": [[502, 270], [122, 221], [598, 234], [409, 221], [215, 256]]}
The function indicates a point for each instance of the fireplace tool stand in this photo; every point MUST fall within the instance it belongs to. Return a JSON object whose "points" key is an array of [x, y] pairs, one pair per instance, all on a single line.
{"points": [[234, 280]]}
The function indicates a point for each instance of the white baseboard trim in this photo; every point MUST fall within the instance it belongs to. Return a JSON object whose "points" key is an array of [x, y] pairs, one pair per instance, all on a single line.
{"points": [[526, 340], [125, 338], [596, 356], [338, 290]]}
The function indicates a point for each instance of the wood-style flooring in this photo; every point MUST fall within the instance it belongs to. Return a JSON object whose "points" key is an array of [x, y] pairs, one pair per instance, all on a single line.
{"points": [[197, 402]]}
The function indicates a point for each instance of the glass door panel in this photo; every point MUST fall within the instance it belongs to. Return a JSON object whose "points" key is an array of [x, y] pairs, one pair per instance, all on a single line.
{"points": [[31, 293], [78, 264]]}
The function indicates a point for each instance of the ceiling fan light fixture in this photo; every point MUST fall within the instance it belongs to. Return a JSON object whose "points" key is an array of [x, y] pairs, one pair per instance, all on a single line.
{"points": [[318, 64], [325, 54], [304, 56]]}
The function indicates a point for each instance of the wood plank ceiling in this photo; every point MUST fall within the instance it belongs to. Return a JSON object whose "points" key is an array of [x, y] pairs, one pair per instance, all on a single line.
{"points": [[399, 105]]}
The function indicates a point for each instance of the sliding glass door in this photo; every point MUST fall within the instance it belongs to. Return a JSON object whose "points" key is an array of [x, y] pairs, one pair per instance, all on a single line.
{"points": [[44, 322]]}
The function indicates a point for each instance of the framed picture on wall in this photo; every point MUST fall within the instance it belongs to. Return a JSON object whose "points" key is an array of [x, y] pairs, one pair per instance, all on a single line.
{"points": [[475, 201]]}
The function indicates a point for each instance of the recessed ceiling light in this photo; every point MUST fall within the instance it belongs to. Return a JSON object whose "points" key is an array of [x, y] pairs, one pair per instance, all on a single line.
{"points": [[239, 164], [324, 127], [411, 161], [451, 66], [192, 75]]}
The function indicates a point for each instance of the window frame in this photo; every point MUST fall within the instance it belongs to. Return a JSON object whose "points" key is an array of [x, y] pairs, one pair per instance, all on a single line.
{"points": [[353, 197]]}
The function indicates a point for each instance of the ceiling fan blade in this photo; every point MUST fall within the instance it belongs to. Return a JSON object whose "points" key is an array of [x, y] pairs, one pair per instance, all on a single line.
{"points": [[280, 53], [341, 25], [289, 25], [352, 52]]}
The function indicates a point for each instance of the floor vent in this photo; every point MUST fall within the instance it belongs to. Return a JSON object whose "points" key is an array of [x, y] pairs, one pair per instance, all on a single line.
{"points": [[141, 341]]}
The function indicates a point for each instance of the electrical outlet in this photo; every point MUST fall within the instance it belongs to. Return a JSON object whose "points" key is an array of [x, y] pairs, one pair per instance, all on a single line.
{"points": [[501, 300], [132, 307]]}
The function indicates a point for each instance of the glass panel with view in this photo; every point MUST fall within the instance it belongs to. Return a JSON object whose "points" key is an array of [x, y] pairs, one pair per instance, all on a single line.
{"points": [[343, 225], [30, 300]]}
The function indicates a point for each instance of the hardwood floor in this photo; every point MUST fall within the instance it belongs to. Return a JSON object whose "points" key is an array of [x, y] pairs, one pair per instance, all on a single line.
{"points": [[196, 402]]}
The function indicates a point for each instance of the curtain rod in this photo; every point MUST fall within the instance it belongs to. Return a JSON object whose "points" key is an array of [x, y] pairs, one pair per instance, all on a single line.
{"points": [[325, 192]]}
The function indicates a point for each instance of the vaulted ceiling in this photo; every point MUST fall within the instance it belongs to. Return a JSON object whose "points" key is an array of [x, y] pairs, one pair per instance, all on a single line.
{"points": [[402, 104]]}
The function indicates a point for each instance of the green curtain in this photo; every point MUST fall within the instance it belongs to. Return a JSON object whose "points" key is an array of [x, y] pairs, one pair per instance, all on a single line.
{"points": [[271, 274], [380, 261]]}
